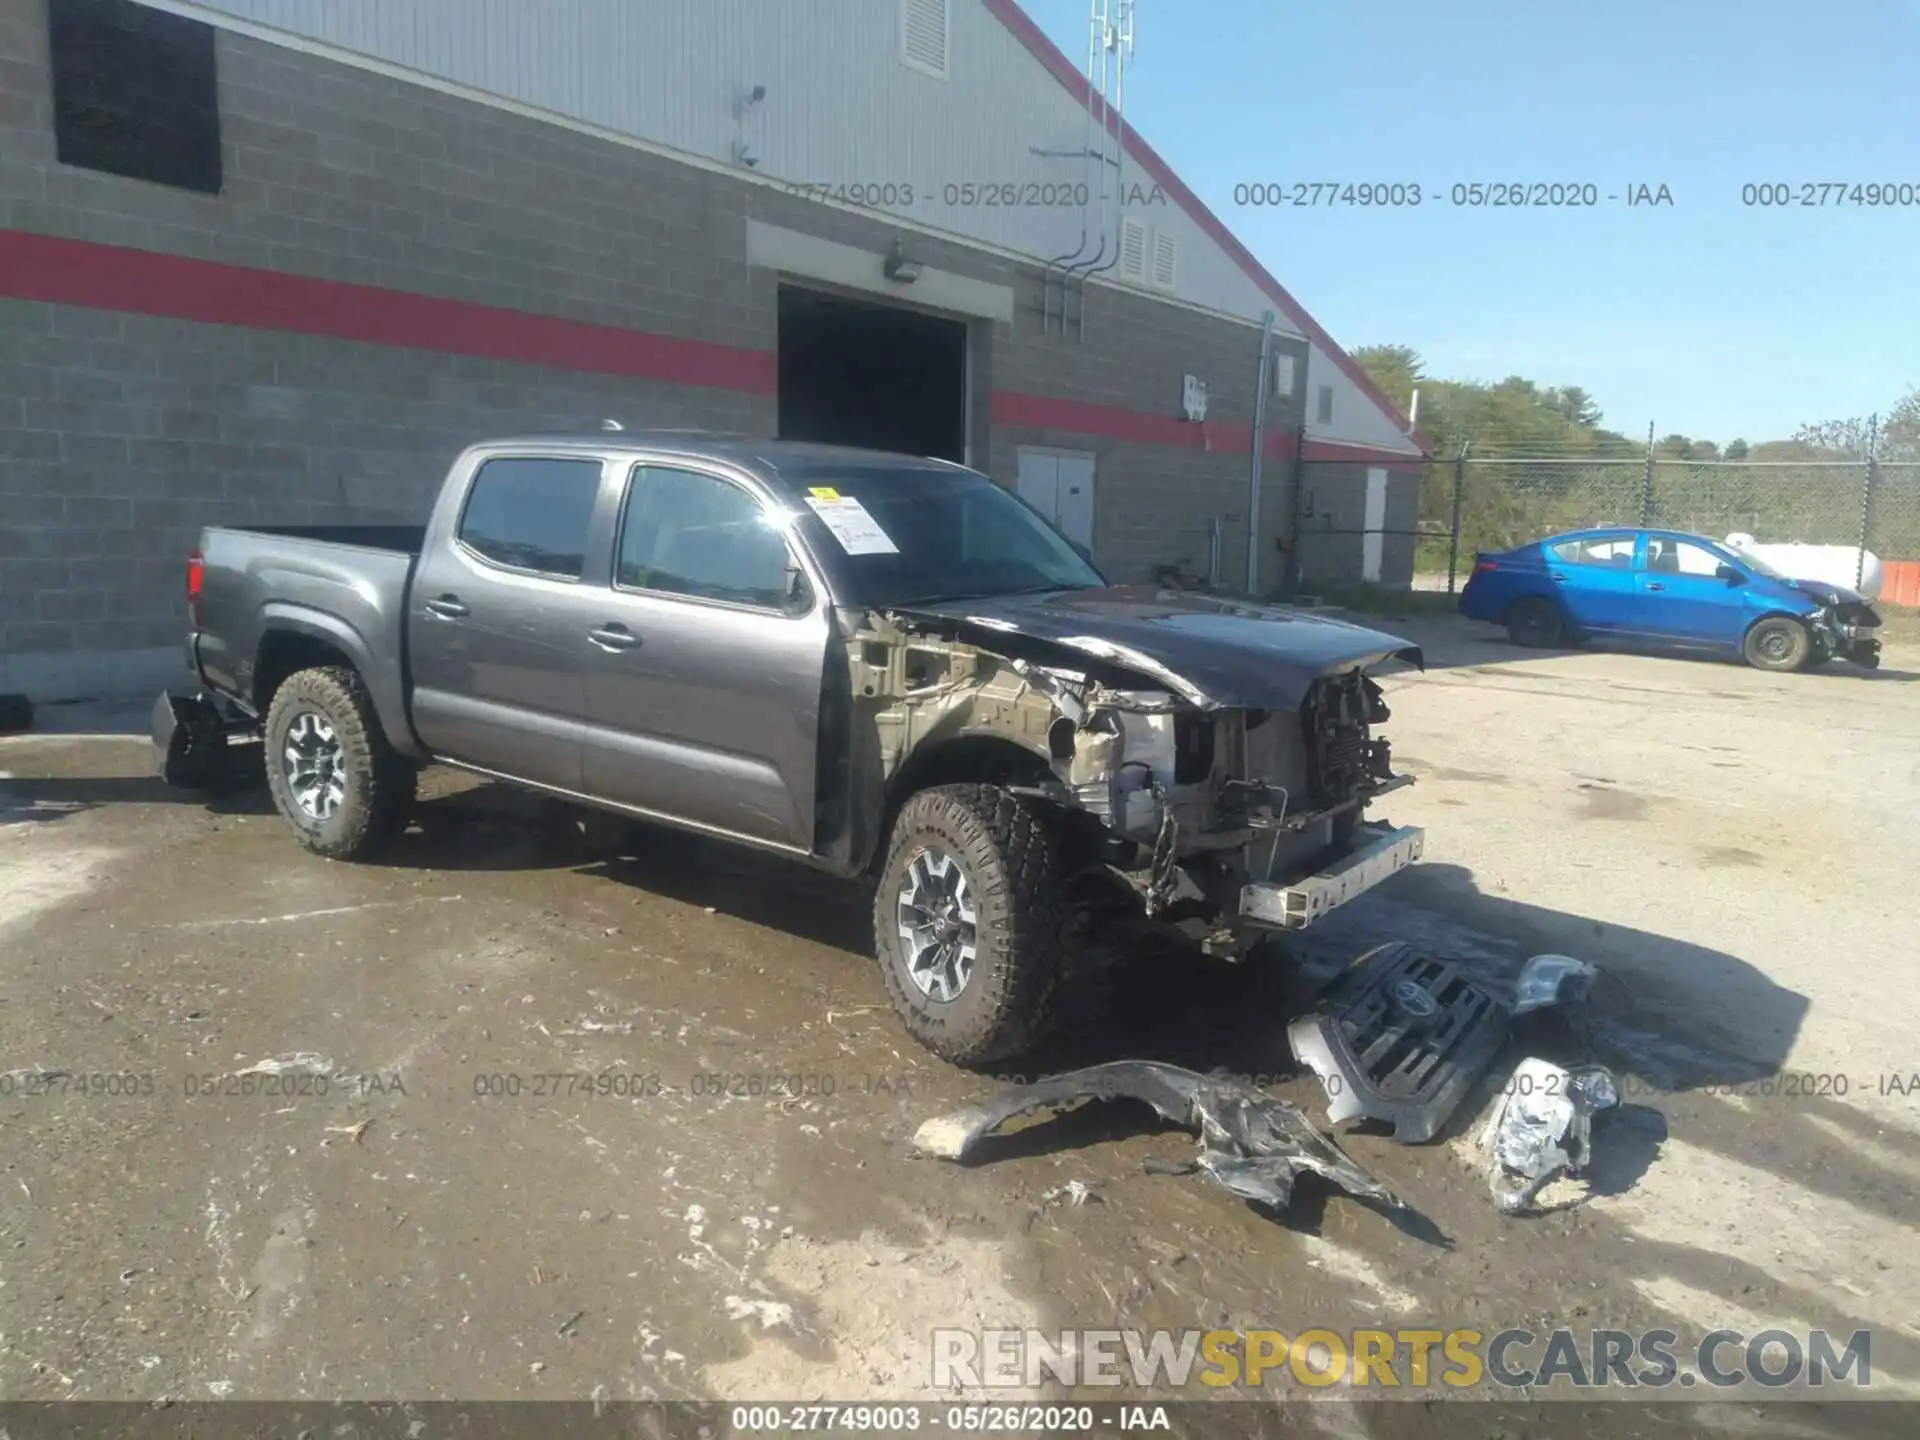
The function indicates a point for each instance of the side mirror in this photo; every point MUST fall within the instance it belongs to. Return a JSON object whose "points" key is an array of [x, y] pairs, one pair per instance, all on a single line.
{"points": [[1731, 575]]}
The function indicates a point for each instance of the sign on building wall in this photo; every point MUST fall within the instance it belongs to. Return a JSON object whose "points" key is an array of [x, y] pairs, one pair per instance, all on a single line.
{"points": [[1193, 398]]}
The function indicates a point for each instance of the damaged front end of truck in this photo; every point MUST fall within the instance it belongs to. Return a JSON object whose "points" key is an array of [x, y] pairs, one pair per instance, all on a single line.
{"points": [[1216, 758]]}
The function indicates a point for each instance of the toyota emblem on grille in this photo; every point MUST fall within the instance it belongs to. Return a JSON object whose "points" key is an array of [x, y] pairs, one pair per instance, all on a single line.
{"points": [[1413, 999]]}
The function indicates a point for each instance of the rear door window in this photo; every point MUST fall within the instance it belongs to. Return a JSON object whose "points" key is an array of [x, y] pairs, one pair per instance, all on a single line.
{"points": [[532, 514], [1613, 551]]}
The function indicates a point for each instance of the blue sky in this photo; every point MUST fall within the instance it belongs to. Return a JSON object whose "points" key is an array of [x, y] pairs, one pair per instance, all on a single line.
{"points": [[1706, 317]]}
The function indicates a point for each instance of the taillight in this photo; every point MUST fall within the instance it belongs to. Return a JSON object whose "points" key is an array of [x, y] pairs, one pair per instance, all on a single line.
{"points": [[1484, 566], [196, 572]]}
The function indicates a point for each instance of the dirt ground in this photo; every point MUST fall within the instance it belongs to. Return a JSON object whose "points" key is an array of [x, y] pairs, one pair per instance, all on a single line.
{"points": [[1735, 849]]}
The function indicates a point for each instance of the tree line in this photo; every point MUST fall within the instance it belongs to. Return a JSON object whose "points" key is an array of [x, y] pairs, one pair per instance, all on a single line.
{"points": [[1505, 501], [1519, 417]]}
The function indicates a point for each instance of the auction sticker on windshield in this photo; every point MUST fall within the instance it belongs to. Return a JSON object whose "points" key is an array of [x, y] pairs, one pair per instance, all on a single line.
{"points": [[857, 531]]}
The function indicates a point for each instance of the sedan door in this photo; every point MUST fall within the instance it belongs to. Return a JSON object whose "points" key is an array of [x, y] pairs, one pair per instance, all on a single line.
{"points": [[497, 622], [1593, 577], [1685, 598], [703, 688]]}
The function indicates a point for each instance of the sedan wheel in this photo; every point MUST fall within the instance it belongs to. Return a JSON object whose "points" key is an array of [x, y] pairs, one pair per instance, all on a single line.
{"points": [[1778, 642], [1535, 623]]}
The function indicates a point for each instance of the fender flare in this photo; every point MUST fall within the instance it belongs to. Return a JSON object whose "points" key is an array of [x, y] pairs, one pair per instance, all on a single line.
{"points": [[385, 684]]}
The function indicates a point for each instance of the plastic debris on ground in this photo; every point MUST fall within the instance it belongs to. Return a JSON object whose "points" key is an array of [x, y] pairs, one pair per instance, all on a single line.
{"points": [[1251, 1143]]}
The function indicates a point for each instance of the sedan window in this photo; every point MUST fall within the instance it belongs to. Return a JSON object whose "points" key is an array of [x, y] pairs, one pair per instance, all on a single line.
{"points": [[1615, 551], [1681, 557]]}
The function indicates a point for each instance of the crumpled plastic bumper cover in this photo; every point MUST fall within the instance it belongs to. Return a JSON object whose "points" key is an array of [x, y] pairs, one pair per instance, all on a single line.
{"points": [[1380, 851]]}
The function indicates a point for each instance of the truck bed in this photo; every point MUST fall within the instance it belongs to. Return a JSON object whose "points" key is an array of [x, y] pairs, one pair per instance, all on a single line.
{"points": [[405, 539], [342, 585]]}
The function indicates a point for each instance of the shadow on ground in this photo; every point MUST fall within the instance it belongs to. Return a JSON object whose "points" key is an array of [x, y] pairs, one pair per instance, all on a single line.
{"points": [[28, 801], [1147, 994]]}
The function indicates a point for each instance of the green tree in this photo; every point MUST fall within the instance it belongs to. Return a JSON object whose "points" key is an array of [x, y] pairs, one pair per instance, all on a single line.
{"points": [[1396, 369], [1736, 450], [1897, 440]]}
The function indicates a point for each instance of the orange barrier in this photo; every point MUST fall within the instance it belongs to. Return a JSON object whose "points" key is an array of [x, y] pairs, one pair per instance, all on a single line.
{"points": [[1900, 583]]}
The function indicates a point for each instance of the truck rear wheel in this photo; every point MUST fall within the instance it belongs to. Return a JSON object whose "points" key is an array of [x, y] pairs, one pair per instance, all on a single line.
{"points": [[969, 922], [334, 778]]}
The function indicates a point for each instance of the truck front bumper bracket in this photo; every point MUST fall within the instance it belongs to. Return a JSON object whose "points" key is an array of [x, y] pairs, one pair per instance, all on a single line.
{"points": [[1381, 851]]}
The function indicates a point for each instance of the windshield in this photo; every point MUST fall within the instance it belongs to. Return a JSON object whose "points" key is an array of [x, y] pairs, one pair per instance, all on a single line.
{"points": [[1754, 563], [957, 534]]}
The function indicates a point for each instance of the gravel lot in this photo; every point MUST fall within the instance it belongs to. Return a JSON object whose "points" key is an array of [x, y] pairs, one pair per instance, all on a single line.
{"points": [[1735, 849]]}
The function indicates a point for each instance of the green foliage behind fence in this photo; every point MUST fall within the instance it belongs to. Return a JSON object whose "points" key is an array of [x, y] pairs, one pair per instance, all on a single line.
{"points": [[1505, 502]]}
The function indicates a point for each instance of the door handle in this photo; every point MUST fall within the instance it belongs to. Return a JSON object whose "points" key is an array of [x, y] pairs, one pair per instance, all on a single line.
{"points": [[614, 636], [447, 607], [1558, 578], [1655, 585]]}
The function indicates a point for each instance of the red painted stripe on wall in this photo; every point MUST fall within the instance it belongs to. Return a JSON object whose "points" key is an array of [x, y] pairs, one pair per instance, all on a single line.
{"points": [[1039, 412], [144, 282], [55, 270]]}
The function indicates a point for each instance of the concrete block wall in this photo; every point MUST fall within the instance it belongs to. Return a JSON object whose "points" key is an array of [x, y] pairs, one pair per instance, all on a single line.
{"points": [[1332, 539], [122, 434]]}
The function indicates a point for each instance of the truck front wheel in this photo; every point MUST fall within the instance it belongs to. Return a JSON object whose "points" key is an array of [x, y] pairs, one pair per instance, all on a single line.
{"points": [[334, 778], [969, 922]]}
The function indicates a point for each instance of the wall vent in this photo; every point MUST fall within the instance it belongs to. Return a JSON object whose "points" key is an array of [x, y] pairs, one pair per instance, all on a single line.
{"points": [[925, 35], [1133, 250], [1166, 259]]}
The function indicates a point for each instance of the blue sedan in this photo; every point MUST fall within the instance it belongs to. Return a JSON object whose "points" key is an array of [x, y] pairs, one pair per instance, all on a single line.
{"points": [[1668, 588]]}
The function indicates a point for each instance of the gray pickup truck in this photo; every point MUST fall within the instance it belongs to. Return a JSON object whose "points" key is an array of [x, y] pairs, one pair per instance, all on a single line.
{"points": [[884, 667]]}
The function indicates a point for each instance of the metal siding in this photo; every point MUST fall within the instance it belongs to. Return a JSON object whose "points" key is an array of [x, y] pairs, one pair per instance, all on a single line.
{"points": [[841, 107], [1356, 419]]}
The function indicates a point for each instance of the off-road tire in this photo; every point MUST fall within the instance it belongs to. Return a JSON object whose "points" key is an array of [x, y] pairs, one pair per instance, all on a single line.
{"points": [[1536, 622], [379, 783], [1777, 642], [1011, 859]]}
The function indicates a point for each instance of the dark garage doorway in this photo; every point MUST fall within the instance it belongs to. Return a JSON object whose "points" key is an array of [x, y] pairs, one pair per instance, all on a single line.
{"points": [[875, 376]]}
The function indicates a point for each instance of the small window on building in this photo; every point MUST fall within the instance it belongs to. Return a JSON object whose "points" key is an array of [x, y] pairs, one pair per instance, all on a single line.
{"points": [[531, 514], [1166, 259], [134, 93], [1133, 250], [701, 536], [1283, 377], [925, 32], [1324, 414]]}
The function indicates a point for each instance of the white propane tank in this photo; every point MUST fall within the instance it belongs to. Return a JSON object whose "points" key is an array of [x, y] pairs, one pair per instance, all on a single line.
{"points": [[1835, 564]]}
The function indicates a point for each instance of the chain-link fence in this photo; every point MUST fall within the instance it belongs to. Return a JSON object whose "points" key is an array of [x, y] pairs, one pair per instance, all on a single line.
{"points": [[1470, 504]]}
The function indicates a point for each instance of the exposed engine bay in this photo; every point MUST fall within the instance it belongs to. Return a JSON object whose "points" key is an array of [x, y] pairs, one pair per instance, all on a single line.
{"points": [[1847, 627], [1189, 800]]}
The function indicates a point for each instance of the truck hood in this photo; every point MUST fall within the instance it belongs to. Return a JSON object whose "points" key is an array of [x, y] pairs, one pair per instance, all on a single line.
{"points": [[1210, 650]]}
